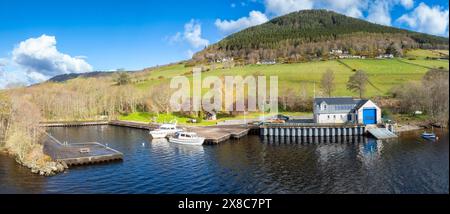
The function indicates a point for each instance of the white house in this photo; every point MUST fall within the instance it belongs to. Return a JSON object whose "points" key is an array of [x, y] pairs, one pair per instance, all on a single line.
{"points": [[340, 110], [336, 52]]}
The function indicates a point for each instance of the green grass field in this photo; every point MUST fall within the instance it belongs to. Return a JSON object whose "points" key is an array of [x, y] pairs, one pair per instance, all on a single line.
{"points": [[181, 119], [422, 54], [386, 73], [428, 63], [383, 74]]}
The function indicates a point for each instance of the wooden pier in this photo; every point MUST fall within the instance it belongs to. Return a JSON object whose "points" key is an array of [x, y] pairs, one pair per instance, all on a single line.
{"points": [[212, 134], [131, 124], [217, 134], [80, 153], [73, 123]]}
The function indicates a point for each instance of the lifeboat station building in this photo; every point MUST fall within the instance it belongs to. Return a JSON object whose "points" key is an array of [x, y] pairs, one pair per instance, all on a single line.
{"points": [[346, 110]]}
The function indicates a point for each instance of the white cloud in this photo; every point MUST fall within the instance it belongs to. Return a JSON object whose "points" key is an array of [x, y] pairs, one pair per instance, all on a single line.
{"points": [[231, 26], [353, 8], [40, 58], [408, 4], [8, 79], [432, 20], [175, 38], [379, 12], [281, 7], [37, 59], [3, 62], [193, 34], [190, 53]]}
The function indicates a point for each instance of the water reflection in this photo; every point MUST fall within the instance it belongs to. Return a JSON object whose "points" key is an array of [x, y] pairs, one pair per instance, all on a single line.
{"points": [[314, 140], [249, 165], [164, 146], [371, 147]]}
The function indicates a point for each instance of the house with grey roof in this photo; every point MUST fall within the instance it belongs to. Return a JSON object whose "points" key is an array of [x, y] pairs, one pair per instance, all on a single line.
{"points": [[340, 110]]}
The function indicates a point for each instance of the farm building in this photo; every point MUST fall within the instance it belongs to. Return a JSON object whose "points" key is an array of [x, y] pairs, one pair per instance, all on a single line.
{"points": [[339, 110]]}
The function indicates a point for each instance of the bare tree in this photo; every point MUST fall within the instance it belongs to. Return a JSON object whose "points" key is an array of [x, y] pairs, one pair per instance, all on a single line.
{"points": [[431, 95], [327, 82], [161, 98], [357, 82], [122, 78], [436, 87], [5, 117]]}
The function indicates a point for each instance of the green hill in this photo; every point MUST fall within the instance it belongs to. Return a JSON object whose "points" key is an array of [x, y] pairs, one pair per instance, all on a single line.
{"points": [[305, 34]]}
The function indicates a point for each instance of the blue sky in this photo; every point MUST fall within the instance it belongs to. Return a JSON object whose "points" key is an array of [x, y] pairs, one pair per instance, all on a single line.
{"points": [[39, 39]]}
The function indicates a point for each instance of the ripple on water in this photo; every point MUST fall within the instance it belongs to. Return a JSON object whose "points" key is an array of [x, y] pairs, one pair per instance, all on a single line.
{"points": [[405, 165]]}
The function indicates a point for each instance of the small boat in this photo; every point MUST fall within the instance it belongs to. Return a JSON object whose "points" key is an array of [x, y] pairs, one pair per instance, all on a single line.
{"points": [[187, 138], [165, 130], [429, 135]]}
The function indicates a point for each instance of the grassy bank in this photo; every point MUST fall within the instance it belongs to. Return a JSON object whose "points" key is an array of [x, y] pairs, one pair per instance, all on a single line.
{"points": [[182, 119], [384, 74]]}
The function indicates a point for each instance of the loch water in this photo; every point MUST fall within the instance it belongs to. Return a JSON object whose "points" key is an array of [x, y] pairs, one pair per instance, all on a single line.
{"points": [[252, 164]]}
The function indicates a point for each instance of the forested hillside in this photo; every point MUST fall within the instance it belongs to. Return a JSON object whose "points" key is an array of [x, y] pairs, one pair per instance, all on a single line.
{"points": [[310, 34]]}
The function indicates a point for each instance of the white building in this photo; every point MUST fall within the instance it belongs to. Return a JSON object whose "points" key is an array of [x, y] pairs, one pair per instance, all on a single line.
{"points": [[385, 56], [336, 52], [340, 110], [267, 62]]}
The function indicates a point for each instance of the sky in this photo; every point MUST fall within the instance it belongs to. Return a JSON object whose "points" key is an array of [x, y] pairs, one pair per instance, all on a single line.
{"points": [[41, 39]]}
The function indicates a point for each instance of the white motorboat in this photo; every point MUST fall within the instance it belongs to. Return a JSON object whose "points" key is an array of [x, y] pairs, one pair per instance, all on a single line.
{"points": [[187, 138], [165, 130]]}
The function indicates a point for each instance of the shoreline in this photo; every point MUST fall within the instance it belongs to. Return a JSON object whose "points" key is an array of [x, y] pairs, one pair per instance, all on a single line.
{"points": [[50, 167], [407, 127], [39, 167]]}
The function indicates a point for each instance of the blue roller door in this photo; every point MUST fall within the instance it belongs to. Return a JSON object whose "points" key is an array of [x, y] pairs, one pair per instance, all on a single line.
{"points": [[370, 116]]}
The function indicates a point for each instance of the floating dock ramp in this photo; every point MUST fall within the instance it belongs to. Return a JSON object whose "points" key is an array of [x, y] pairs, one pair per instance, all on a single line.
{"points": [[381, 133]]}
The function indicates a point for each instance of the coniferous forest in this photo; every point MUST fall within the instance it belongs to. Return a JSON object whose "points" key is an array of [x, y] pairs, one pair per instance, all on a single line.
{"points": [[310, 34]]}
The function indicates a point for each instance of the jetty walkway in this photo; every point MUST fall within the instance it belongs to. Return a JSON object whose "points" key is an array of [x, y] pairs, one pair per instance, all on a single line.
{"points": [[212, 134]]}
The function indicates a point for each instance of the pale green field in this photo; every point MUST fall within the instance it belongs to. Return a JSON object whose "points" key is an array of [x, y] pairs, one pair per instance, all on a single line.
{"points": [[428, 63], [383, 74], [386, 73], [297, 77], [302, 77], [164, 118], [421, 53]]}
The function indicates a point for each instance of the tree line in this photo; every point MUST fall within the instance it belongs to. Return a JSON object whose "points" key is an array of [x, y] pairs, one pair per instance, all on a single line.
{"points": [[301, 36]]}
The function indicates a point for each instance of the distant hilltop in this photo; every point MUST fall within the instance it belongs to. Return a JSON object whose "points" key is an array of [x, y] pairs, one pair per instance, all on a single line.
{"points": [[65, 77], [315, 34]]}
